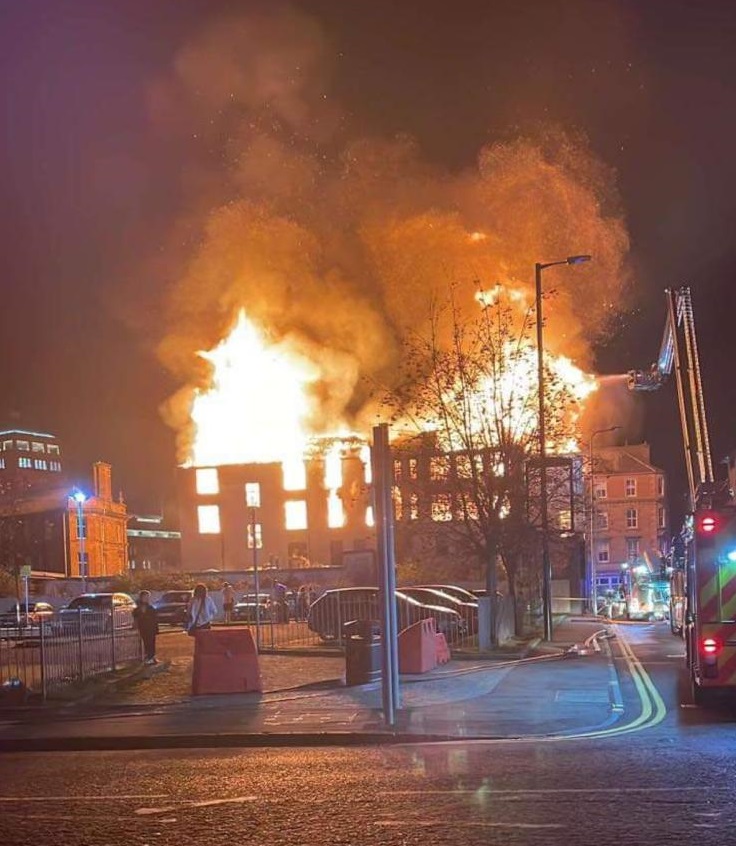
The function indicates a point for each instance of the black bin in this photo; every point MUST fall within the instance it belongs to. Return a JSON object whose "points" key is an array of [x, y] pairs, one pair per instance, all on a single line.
{"points": [[362, 652]]}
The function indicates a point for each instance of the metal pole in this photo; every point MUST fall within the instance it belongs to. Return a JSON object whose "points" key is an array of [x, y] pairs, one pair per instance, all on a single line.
{"points": [[387, 593], [42, 649], [82, 531], [112, 640], [546, 562], [256, 581], [593, 568], [391, 570], [79, 644], [25, 591]]}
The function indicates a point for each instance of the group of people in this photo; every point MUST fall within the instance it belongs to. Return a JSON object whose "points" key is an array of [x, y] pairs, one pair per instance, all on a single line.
{"points": [[201, 613]]}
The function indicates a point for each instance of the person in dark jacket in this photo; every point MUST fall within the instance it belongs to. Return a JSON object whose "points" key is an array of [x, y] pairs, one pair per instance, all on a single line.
{"points": [[146, 621]]}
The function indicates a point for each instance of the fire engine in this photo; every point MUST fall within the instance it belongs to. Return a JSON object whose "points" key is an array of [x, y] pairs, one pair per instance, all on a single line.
{"points": [[703, 557]]}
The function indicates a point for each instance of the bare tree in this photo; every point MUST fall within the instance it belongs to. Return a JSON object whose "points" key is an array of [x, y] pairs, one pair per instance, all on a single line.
{"points": [[470, 388]]}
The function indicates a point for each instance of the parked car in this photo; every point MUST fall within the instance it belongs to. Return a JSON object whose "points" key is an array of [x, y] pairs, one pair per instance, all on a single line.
{"points": [[433, 596], [458, 592], [329, 613], [245, 609], [96, 611], [16, 615], [172, 606]]}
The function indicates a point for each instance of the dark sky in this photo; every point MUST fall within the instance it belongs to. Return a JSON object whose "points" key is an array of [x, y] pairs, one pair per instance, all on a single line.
{"points": [[88, 189]]}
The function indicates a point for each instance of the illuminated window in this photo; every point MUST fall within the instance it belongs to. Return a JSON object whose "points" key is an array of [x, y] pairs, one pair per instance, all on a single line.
{"points": [[661, 518], [564, 520], [52, 449], [398, 469], [23, 446], [463, 467], [208, 481], [295, 475], [7, 444], [259, 536], [253, 494], [296, 514], [37, 447], [604, 552], [335, 511], [600, 490], [439, 468], [398, 503], [370, 520], [55, 466], [632, 549], [632, 518], [660, 485], [208, 518], [2, 463], [25, 462], [441, 508], [40, 464], [631, 487], [414, 507], [413, 469]]}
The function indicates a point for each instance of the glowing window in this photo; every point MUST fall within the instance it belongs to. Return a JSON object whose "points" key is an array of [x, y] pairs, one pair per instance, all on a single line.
{"points": [[7, 444], [208, 481], [52, 449], [439, 468], [441, 508], [295, 475], [398, 503], [414, 507], [600, 490], [413, 468], [36, 446], [208, 519], [370, 520], [23, 446], [398, 469], [259, 536], [25, 462], [631, 487], [2, 463], [661, 518], [632, 518], [296, 514], [660, 485], [463, 467], [253, 494]]}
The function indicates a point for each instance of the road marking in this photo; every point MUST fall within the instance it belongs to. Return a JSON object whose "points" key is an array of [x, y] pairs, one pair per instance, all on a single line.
{"points": [[120, 797], [543, 791], [191, 803], [456, 824]]}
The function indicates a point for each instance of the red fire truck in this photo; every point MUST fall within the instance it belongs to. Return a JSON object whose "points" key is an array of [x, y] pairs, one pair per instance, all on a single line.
{"points": [[703, 582]]}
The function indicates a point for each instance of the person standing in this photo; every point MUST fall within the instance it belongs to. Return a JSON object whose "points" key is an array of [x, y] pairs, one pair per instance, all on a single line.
{"points": [[201, 612], [146, 621], [228, 601]]}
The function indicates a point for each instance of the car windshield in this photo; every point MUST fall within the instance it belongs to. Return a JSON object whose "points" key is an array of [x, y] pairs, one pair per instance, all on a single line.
{"points": [[175, 596], [93, 602]]}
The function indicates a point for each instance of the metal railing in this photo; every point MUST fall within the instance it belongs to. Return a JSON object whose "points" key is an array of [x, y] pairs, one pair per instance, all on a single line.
{"points": [[67, 648], [282, 627]]}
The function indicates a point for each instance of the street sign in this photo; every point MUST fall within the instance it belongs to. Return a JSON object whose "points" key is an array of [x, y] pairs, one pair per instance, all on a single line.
{"points": [[25, 571]]}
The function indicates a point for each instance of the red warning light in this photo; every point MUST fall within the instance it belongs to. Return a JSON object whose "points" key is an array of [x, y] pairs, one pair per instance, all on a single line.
{"points": [[710, 646], [708, 524]]}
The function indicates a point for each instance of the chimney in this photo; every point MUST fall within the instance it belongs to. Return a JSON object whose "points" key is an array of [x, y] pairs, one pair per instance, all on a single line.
{"points": [[103, 480]]}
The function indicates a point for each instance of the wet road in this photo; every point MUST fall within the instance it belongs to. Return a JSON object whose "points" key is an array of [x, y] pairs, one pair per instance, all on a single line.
{"points": [[663, 774]]}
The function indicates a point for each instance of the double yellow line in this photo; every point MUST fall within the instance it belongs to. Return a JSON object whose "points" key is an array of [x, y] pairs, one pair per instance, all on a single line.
{"points": [[653, 709]]}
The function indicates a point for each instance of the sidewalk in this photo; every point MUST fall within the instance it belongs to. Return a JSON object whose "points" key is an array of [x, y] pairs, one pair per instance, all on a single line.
{"points": [[538, 695]]}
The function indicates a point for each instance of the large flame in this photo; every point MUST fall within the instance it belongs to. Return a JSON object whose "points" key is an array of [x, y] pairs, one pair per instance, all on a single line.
{"points": [[257, 406]]}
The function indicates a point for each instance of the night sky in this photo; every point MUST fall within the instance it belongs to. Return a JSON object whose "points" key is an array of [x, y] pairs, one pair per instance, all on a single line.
{"points": [[90, 188]]}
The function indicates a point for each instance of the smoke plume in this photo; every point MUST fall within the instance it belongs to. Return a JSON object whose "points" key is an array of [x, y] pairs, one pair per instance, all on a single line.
{"points": [[340, 242]]}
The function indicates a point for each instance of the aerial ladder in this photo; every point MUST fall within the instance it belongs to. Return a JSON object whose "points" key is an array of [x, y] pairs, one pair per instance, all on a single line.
{"points": [[703, 581]]}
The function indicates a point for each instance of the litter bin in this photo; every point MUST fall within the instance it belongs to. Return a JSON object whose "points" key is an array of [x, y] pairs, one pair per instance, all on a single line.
{"points": [[362, 652]]}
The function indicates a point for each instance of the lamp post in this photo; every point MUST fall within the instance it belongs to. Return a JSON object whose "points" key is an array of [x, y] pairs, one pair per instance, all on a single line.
{"points": [[593, 567], [253, 501], [80, 498], [546, 563]]}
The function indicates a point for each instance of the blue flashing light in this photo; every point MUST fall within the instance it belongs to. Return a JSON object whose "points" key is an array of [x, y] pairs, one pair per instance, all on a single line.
{"points": [[79, 496], [731, 555]]}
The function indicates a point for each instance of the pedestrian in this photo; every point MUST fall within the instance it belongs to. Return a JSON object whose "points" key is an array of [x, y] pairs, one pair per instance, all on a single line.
{"points": [[146, 621], [228, 601], [201, 612]]}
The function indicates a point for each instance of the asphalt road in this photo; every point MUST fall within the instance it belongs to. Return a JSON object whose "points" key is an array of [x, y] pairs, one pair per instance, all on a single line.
{"points": [[664, 774]]}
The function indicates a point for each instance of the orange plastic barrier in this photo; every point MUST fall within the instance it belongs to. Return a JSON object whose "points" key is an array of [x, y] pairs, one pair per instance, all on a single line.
{"points": [[417, 647], [225, 661], [443, 650]]}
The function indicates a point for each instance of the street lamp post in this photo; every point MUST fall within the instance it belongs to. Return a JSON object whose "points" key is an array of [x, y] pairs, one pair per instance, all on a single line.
{"points": [[253, 501], [80, 498], [546, 562], [593, 568]]}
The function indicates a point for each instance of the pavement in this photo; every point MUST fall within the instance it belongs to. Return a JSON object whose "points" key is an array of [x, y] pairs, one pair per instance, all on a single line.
{"points": [[661, 773], [305, 700]]}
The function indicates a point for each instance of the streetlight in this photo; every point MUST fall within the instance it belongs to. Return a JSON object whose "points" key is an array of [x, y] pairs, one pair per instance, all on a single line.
{"points": [[80, 497], [593, 567], [253, 501], [546, 563]]}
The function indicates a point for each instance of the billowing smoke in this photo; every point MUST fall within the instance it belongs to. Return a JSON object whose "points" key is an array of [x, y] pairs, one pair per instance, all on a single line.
{"points": [[340, 242]]}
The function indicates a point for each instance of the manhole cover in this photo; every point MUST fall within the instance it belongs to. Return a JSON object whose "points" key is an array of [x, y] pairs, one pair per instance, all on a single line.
{"points": [[594, 697]]}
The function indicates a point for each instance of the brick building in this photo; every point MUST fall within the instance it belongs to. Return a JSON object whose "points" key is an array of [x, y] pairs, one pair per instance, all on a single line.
{"points": [[39, 523], [29, 461], [631, 521]]}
